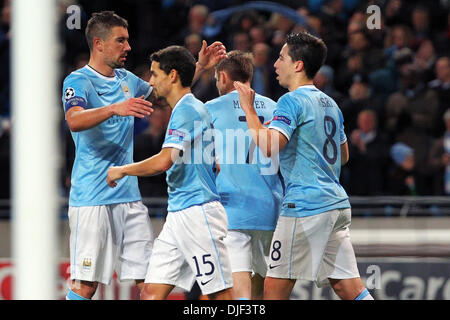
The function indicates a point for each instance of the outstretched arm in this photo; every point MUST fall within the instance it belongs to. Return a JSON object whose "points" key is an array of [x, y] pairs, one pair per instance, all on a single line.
{"points": [[154, 165], [271, 142], [79, 119]]}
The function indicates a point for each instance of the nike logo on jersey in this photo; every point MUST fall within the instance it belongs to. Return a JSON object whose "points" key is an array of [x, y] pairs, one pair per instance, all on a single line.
{"points": [[101, 93], [205, 282], [271, 266]]}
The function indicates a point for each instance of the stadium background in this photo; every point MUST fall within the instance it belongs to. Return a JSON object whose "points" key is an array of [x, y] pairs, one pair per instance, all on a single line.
{"points": [[401, 215]]}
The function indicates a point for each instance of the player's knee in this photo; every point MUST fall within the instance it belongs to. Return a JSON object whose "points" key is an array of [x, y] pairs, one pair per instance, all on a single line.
{"points": [[150, 292], [147, 293]]}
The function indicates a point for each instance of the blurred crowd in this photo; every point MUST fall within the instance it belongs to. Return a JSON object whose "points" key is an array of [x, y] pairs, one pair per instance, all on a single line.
{"points": [[391, 82]]}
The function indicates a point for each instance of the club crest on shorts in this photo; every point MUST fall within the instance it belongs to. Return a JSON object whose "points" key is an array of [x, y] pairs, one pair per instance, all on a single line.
{"points": [[69, 93], [87, 263]]}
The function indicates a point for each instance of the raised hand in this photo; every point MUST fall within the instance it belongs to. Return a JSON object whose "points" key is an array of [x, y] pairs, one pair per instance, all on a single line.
{"points": [[210, 55], [246, 96]]}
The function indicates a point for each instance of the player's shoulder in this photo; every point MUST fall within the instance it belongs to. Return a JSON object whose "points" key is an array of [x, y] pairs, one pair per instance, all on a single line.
{"points": [[214, 104], [123, 73], [77, 75], [188, 106], [288, 99]]}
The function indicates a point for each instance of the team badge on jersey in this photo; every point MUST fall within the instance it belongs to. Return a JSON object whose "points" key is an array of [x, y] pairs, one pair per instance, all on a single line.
{"points": [[126, 90], [69, 93]]}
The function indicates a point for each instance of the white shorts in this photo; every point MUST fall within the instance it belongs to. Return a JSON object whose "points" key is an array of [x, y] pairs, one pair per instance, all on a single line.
{"points": [[249, 250], [313, 248], [191, 247], [101, 236]]}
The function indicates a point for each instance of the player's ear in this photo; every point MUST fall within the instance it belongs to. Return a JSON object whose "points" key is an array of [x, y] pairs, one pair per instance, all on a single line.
{"points": [[223, 77], [98, 44], [173, 74], [298, 66]]}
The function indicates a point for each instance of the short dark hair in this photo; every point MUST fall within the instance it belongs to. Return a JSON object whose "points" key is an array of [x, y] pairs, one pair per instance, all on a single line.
{"points": [[238, 65], [176, 58], [101, 23], [309, 49]]}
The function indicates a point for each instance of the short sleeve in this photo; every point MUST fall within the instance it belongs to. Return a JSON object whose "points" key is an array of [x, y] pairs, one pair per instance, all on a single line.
{"points": [[285, 117], [75, 91], [141, 87], [181, 131]]}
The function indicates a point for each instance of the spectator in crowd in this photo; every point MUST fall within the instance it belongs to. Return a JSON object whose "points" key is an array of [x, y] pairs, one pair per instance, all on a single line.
{"points": [[244, 21], [281, 26], [425, 59], [369, 156], [420, 20], [441, 85], [420, 142], [197, 17], [324, 81], [258, 34], [394, 11], [401, 180], [360, 97], [347, 69], [193, 43], [241, 41], [440, 160], [264, 77], [397, 38], [414, 98], [334, 27]]}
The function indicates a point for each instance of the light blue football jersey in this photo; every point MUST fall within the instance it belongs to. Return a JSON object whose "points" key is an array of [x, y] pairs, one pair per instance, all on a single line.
{"points": [[311, 161], [248, 183], [108, 144], [191, 179]]}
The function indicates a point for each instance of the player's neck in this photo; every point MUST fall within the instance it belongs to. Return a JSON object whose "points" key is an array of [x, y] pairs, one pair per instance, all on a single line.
{"points": [[301, 81], [101, 67], [176, 94], [231, 88]]}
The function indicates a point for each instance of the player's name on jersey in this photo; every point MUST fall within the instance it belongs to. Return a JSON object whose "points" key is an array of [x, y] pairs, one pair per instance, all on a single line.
{"points": [[258, 104]]}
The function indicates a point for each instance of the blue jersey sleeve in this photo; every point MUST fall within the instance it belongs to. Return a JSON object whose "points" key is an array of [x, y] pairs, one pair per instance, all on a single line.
{"points": [[75, 91], [286, 115], [141, 87], [181, 131]]}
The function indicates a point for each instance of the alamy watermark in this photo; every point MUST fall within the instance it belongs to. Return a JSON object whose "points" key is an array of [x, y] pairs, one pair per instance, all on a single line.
{"points": [[373, 281], [374, 19], [73, 21]]}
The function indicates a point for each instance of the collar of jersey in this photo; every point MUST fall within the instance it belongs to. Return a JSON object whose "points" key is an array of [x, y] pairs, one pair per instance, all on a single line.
{"points": [[307, 86], [182, 98], [98, 74]]}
